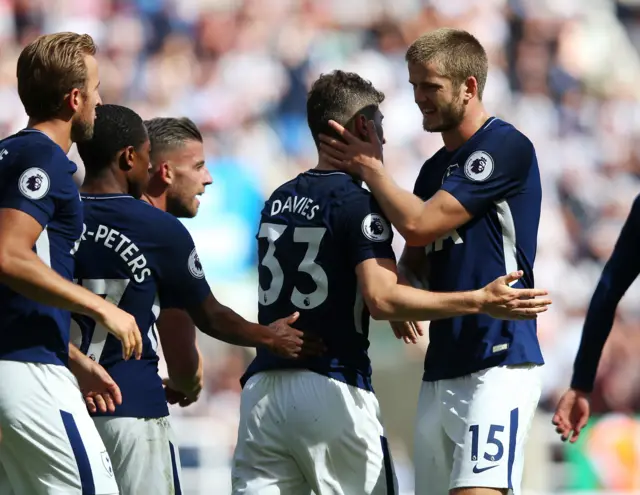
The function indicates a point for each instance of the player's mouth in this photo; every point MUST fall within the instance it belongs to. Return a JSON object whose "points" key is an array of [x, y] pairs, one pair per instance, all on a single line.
{"points": [[426, 112]]}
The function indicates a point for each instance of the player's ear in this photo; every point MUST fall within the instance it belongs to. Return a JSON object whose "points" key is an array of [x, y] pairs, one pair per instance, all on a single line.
{"points": [[470, 89], [165, 172], [360, 126], [74, 99], [127, 158]]}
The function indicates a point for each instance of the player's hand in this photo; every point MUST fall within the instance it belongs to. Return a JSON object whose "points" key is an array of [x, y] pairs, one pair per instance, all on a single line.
{"points": [[409, 331], [291, 343], [572, 414], [352, 155], [123, 326], [501, 301], [100, 392], [183, 399]]}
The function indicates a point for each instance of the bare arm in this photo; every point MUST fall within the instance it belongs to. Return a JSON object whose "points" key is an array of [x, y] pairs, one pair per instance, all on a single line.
{"points": [[178, 338], [413, 267], [387, 300], [222, 323], [23, 271]]}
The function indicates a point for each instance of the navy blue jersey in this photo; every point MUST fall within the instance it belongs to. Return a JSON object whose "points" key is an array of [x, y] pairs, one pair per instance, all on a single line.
{"points": [[617, 276], [314, 231], [36, 178], [495, 176], [141, 259]]}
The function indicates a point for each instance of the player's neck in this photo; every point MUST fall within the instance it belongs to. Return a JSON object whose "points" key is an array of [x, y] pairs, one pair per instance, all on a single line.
{"points": [[58, 131], [159, 202], [471, 123], [105, 183]]}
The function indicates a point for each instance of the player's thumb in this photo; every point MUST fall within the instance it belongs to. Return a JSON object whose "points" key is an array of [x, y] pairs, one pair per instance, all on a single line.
{"points": [[512, 277], [293, 318]]}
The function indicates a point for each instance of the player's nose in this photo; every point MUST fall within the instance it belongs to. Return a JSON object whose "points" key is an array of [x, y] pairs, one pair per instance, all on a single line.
{"points": [[207, 177]]}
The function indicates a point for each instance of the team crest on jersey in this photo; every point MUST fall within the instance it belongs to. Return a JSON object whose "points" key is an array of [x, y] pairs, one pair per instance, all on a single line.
{"points": [[479, 166], [375, 228], [34, 183], [106, 462], [195, 267]]}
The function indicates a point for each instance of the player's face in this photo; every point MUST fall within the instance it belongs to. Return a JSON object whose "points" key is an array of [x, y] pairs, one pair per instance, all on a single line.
{"points": [[85, 116], [190, 177], [439, 101], [138, 176]]}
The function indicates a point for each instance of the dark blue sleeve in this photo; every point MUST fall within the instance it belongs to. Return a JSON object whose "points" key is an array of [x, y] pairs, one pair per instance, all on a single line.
{"points": [[366, 230], [182, 281], [420, 187], [618, 274], [492, 175], [34, 181]]}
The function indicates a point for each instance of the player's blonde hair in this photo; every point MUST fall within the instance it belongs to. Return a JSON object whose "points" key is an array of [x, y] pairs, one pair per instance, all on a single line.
{"points": [[458, 54], [49, 68]]}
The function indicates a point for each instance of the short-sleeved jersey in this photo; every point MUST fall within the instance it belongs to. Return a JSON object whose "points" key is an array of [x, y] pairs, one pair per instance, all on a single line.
{"points": [[141, 259], [314, 231], [495, 176], [36, 177]]}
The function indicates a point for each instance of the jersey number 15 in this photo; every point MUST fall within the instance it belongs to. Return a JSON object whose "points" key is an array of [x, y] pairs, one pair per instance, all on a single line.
{"points": [[312, 236]]}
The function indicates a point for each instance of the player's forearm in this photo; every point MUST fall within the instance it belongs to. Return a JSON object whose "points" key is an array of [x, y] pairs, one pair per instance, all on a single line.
{"points": [[402, 303], [617, 276], [222, 323], [77, 360], [402, 208], [188, 379], [25, 273]]}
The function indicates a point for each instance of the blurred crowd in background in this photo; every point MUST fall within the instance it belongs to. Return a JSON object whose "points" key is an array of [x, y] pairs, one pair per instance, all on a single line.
{"points": [[565, 72]]}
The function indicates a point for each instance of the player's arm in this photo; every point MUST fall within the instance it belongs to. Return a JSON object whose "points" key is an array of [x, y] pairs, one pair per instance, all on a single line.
{"points": [[619, 272], [182, 269], [184, 362], [413, 267], [456, 203], [388, 300], [23, 271]]}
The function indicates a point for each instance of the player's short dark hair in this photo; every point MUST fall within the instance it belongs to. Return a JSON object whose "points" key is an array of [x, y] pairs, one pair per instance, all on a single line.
{"points": [[458, 54], [168, 133], [49, 68], [116, 127], [339, 96]]}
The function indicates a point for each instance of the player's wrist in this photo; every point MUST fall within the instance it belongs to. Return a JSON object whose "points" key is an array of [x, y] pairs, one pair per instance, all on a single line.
{"points": [[371, 170], [478, 301]]}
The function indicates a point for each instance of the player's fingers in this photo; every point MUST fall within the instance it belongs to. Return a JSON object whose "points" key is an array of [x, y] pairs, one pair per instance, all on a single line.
{"points": [[346, 135], [396, 332], [111, 406], [332, 142], [327, 150], [100, 403], [115, 393], [511, 277], [529, 303], [293, 317], [528, 293], [138, 342], [91, 405], [373, 133], [419, 328]]}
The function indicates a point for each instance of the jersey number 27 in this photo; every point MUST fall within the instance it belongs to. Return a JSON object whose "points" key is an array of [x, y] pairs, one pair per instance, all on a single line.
{"points": [[312, 236]]}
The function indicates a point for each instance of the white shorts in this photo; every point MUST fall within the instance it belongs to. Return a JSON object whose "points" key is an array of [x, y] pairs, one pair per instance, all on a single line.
{"points": [[300, 431], [471, 431], [49, 442], [144, 454]]}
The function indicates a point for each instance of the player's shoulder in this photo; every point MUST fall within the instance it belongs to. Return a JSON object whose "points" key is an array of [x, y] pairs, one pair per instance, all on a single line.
{"points": [[34, 148], [156, 220], [498, 134]]}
